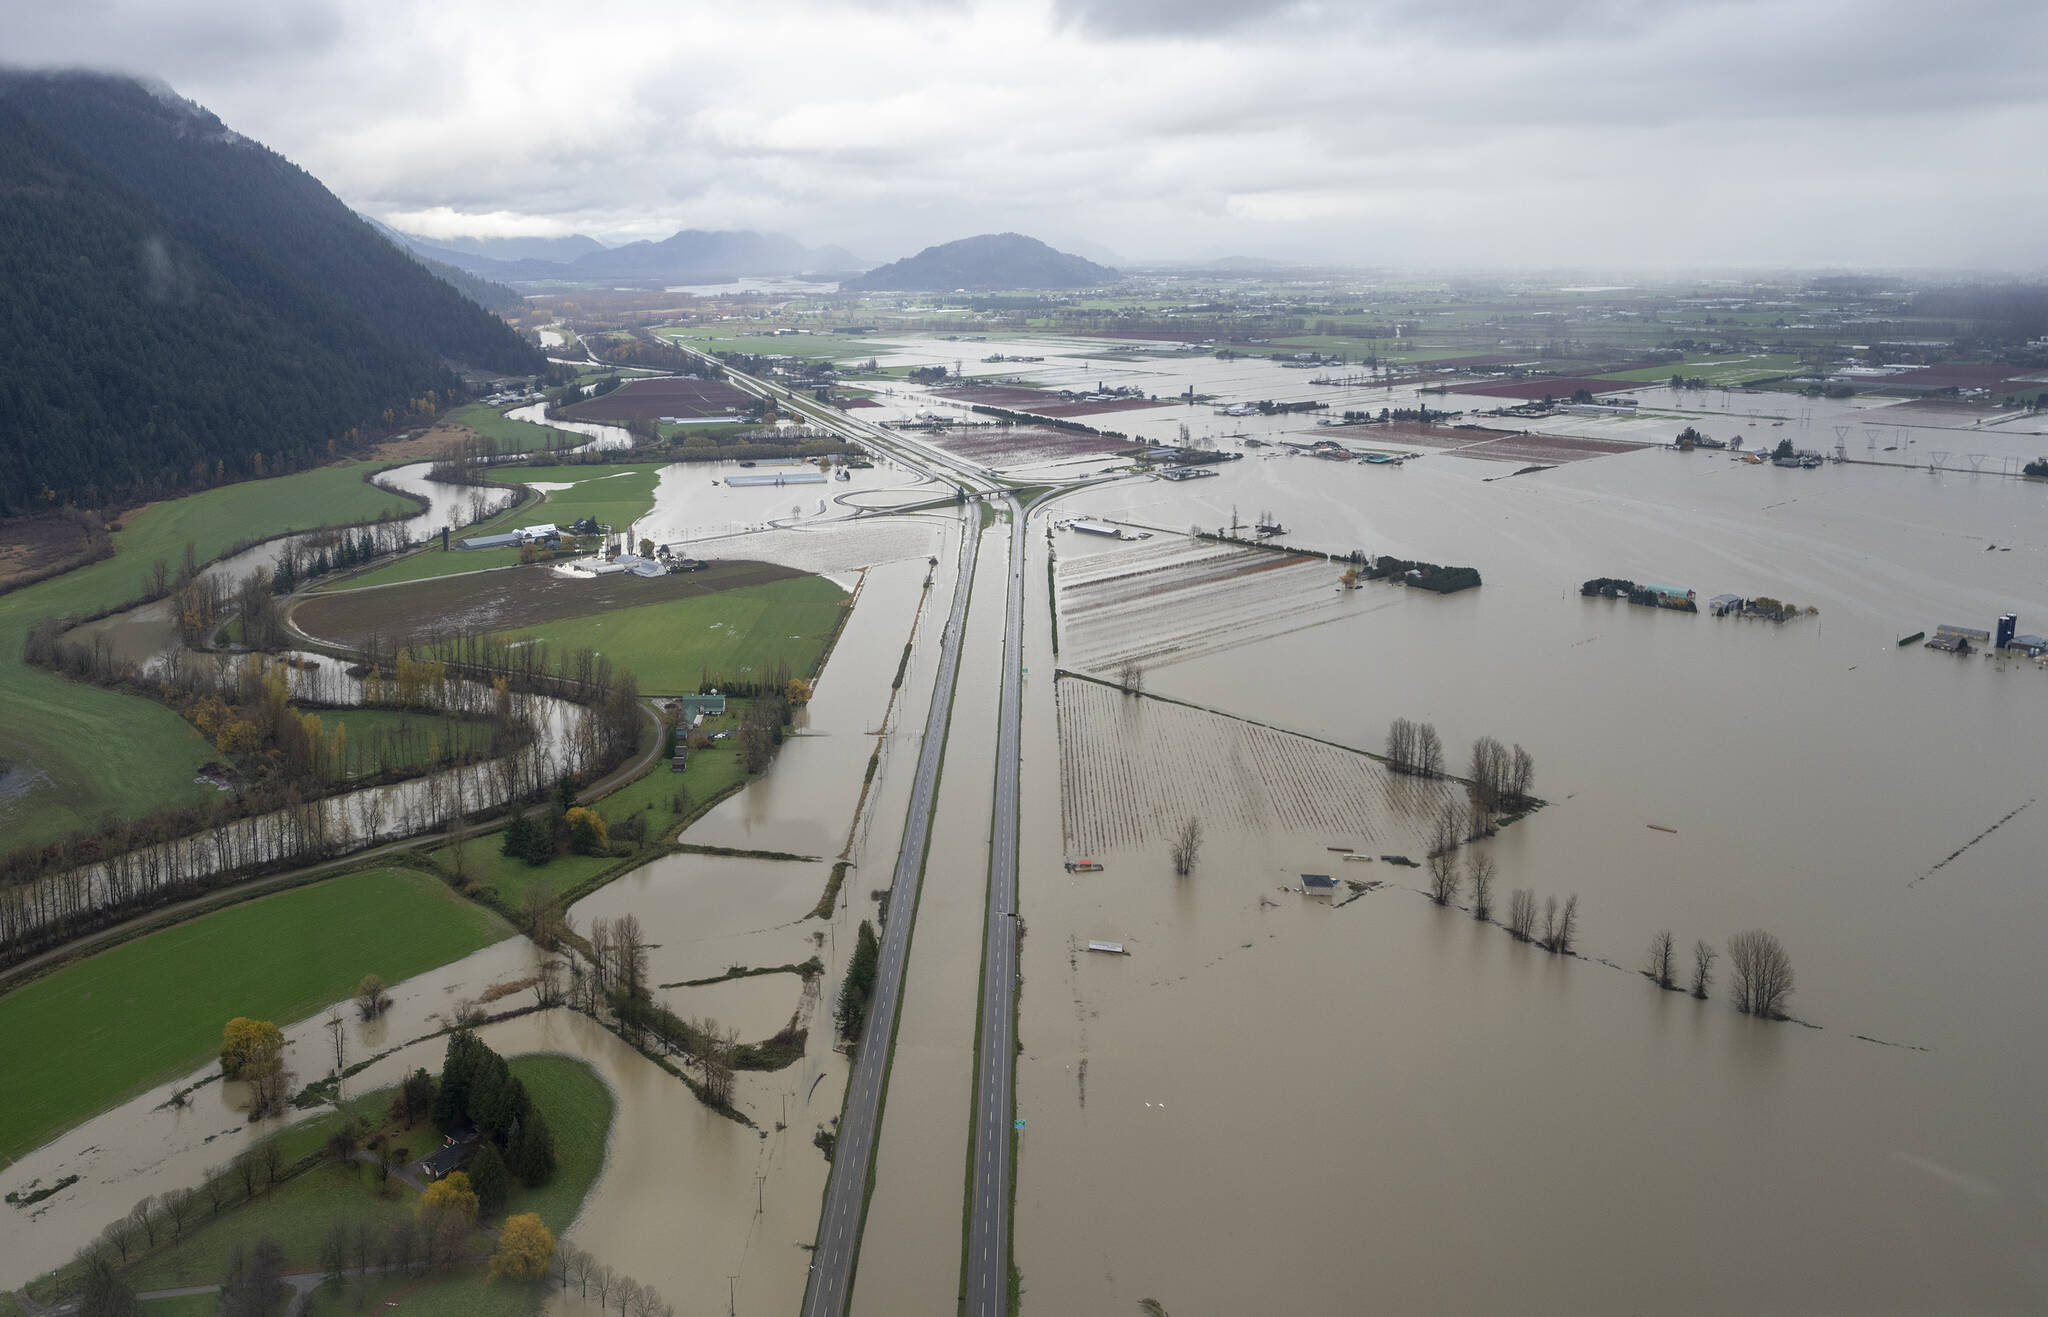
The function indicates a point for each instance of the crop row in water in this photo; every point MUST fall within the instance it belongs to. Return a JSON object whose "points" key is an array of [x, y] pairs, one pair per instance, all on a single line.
{"points": [[1132, 769], [1183, 599]]}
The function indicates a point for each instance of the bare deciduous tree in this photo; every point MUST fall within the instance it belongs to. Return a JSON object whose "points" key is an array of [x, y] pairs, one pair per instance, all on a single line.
{"points": [[337, 1033], [547, 983], [1479, 875], [143, 1217], [1187, 846], [1488, 773], [1522, 913], [1429, 751], [1521, 776], [1567, 926], [1657, 969], [178, 1205], [1401, 746], [604, 1280], [1549, 938], [1130, 675], [1763, 973], [371, 999], [1702, 968], [1443, 854]]}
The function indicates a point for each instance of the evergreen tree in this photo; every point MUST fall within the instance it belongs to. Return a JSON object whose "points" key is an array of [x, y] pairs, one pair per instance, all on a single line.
{"points": [[516, 838], [489, 1178], [533, 1151], [860, 982], [451, 1103]]}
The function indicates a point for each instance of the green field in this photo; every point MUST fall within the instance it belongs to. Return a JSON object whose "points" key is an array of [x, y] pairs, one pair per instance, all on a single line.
{"points": [[1718, 372], [652, 796], [112, 1025], [105, 753], [615, 495], [734, 634], [297, 1214], [512, 436], [456, 736], [810, 347]]}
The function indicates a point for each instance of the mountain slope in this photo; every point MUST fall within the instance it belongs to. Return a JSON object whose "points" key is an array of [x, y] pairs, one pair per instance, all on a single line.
{"points": [[992, 260], [520, 249], [192, 166], [685, 255], [150, 344]]}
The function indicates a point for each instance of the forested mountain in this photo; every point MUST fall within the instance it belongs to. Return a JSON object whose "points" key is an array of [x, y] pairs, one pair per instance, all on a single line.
{"points": [[993, 260], [690, 254], [185, 306]]}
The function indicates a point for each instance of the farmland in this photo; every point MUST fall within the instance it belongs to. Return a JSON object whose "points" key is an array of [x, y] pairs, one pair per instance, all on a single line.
{"points": [[1719, 373], [495, 601], [612, 495], [109, 1026], [668, 396], [1128, 782], [812, 347], [1177, 598], [1016, 445], [83, 752], [511, 436], [735, 635]]}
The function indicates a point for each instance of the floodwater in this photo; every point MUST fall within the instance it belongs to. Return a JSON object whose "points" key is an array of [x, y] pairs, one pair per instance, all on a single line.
{"points": [[908, 1259], [601, 436], [727, 1200], [1394, 1105], [146, 1147]]}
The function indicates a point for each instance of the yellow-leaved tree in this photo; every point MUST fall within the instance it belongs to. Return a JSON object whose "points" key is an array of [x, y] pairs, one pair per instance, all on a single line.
{"points": [[525, 1248], [799, 691], [449, 1196], [249, 1048], [588, 834]]}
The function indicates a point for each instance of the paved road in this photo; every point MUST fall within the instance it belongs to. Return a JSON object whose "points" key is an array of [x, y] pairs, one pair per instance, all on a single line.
{"points": [[988, 1223], [839, 1224]]}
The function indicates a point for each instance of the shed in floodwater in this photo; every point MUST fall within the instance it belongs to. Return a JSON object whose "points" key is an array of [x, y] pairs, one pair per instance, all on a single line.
{"points": [[1113, 948]]}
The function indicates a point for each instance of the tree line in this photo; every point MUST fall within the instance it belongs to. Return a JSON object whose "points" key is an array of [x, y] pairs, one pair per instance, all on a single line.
{"points": [[51, 893]]}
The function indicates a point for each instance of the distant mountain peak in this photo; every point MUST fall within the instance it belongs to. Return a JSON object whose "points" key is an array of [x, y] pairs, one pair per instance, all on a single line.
{"points": [[985, 261]]}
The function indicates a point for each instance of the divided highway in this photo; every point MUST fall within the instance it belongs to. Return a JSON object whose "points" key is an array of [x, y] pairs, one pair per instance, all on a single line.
{"points": [[987, 1281], [839, 1224], [988, 1225]]}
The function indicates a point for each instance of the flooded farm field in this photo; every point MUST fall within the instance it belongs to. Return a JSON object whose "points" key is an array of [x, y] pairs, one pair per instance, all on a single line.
{"points": [[1396, 1105], [1175, 598], [1132, 768]]}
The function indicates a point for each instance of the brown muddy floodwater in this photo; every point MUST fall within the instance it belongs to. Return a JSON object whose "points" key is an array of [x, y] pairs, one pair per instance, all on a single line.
{"points": [[909, 1254], [1303, 1107], [688, 1198]]}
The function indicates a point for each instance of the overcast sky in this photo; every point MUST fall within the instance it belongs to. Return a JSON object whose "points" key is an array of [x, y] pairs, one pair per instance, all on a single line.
{"points": [[1388, 132]]}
